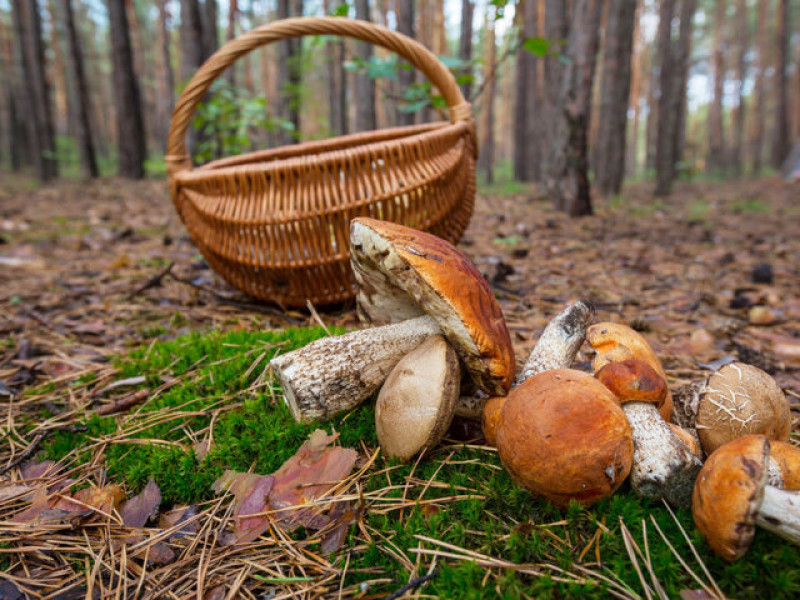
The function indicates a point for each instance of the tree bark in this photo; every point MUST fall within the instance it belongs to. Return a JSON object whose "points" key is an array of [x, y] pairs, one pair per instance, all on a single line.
{"points": [[127, 100], [639, 68], [209, 38], [614, 94], [465, 45], [63, 98], [665, 161], [337, 85], [740, 41], [760, 91], [405, 77], [527, 139], [366, 119], [40, 114], [715, 159], [567, 177], [289, 75], [84, 102], [486, 158], [230, 33], [781, 144], [192, 45]]}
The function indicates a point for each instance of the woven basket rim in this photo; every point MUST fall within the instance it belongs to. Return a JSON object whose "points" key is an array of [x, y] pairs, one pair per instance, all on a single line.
{"points": [[211, 171]]}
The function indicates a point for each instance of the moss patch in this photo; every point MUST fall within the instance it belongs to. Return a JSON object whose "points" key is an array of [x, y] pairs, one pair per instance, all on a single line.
{"points": [[202, 376]]}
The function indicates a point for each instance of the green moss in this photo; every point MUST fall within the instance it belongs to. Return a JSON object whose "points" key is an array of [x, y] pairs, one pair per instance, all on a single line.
{"points": [[210, 374]]}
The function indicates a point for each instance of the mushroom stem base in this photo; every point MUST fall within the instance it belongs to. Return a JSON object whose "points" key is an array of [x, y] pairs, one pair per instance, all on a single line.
{"points": [[780, 513], [663, 466]]}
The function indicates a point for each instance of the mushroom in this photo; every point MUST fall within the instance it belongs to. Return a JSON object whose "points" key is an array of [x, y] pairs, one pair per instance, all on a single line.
{"points": [[614, 342], [435, 288], [731, 497], [555, 349], [417, 401], [736, 400], [663, 465], [563, 436], [784, 465]]}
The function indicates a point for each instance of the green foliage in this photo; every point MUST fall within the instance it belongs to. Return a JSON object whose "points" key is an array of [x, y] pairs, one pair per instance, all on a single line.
{"points": [[494, 518], [537, 45]]}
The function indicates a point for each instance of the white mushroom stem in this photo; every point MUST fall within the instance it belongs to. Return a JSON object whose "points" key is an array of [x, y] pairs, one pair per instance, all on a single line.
{"points": [[774, 474], [336, 374], [780, 513], [663, 466]]}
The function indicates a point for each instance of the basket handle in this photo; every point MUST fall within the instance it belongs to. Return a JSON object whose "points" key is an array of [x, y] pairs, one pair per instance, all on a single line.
{"points": [[419, 56]]}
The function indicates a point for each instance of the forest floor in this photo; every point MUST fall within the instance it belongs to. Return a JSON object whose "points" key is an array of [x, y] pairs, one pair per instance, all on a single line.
{"points": [[90, 272]]}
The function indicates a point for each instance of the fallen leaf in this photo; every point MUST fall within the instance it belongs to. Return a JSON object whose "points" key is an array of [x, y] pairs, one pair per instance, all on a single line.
{"points": [[178, 515], [139, 509], [37, 470], [10, 591], [15, 491], [343, 515], [215, 593], [696, 595], [63, 508], [248, 528], [202, 448]]}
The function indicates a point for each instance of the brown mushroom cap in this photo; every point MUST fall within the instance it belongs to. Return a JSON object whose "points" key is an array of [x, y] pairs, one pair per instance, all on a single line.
{"points": [[687, 438], [404, 273], [634, 380], [562, 435], [615, 342], [490, 418], [739, 400], [416, 403], [787, 457], [728, 493]]}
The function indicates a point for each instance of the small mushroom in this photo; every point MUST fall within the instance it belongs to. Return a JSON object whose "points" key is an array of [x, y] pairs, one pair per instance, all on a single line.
{"points": [[784, 465], [555, 349], [688, 437], [738, 399], [417, 401], [563, 436], [663, 465], [428, 281], [614, 342], [731, 497]]}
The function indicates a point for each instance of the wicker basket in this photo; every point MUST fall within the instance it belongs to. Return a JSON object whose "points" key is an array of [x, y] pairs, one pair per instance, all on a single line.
{"points": [[275, 223]]}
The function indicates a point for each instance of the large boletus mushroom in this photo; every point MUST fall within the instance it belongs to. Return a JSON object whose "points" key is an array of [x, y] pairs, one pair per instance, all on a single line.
{"points": [[417, 400], [731, 497], [563, 436], [737, 400], [663, 465], [555, 349], [435, 288]]}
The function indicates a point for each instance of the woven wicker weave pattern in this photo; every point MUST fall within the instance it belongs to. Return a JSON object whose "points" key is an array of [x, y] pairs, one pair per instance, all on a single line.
{"points": [[275, 223]]}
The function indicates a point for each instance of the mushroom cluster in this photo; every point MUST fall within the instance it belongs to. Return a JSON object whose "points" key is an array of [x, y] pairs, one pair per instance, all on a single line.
{"points": [[435, 344]]}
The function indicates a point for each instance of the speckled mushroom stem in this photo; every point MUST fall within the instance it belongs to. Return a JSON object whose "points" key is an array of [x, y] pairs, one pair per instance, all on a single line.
{"points": [[335, 374], [663, 466], [780, 513]]}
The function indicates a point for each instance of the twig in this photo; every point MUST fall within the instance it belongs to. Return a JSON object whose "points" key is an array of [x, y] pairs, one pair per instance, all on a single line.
{"points": [[26, 453], [154, 281], [412, 585], [123, 404]]}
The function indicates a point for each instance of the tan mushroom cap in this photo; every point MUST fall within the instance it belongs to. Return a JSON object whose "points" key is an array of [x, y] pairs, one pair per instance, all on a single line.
{"points": [[634, 380], [416, 403], [739, 400], [728, 493], [787, 457], [404, 273], [563, 436], [615, 342], [687, 438]]}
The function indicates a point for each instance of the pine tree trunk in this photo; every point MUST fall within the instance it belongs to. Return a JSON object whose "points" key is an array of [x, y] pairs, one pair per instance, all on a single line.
{"points": [[614, 95], [166, 92], [568, 177], [230, 33], [192, 46], [40, 114], [366, 119], [665, 161], [465, 45], [209, 38], [84, 106], [486, 158], [63, 99], [679, 101], [639, 62], [760, 91], [337, 84], [289, 75], [527, 141], [127, 100], [405, 77], [781, 145], [715, 159], [555, 30], [740, 42]]}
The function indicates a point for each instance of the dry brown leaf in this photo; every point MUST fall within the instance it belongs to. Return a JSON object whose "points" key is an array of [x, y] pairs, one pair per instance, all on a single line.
{"points": [[142, 507]]}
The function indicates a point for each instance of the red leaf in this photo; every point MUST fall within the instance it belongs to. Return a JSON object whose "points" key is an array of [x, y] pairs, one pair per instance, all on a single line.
{"points": [[139, 509], [255, 502], [178, 515]]}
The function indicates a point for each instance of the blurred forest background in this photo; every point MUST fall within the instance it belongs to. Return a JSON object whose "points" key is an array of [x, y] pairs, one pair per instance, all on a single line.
{"points": [[563, 93]]}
